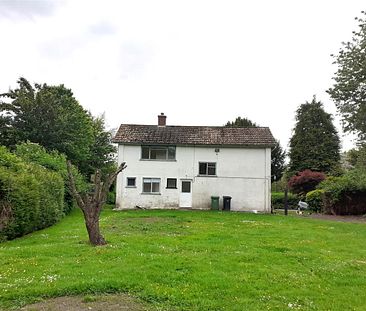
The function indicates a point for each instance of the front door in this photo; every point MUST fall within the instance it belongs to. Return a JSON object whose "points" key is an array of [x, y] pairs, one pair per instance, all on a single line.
{"points": [[185, 199]]}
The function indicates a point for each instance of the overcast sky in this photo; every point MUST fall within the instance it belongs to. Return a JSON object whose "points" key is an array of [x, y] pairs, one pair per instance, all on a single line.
{"points": [[199, 62]]}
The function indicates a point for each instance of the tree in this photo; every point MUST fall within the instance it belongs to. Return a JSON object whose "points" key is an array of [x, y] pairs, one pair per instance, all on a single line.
{"points": [[315, 143], [349, 89], [52, 117], [278, 157], [102, 151], [241, 122], [91, 202]]}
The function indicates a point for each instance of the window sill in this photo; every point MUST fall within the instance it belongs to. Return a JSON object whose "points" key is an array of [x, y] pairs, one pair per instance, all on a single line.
{"points": [[207, 176], [130, 187], [159, 160], [150, 193], [171, 188]]}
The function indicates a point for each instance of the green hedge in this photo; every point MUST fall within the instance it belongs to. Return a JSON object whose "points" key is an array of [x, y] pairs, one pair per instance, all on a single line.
{"points": [[345, 195], [32, 197], [278, 200], [315, 199]]}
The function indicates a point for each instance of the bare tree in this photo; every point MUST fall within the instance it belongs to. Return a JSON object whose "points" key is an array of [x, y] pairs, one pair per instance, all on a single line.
{"points": [[91, 203]]}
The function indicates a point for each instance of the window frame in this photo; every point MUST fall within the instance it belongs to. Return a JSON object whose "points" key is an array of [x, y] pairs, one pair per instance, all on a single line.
{"points": [[131, 178], [166, 148], [167, 186], [207, 168], [154, 180]]}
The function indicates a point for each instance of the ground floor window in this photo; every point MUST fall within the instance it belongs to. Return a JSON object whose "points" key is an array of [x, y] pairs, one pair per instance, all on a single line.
{"points": [[171, 183], [131, 181], [151, 185]]}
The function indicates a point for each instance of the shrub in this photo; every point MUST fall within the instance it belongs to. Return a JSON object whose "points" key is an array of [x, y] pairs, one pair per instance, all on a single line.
{"points": [[345, 195], [305, 181], [32, 197], [53, 161], [111, 198], [315, 200], [278, 200]]}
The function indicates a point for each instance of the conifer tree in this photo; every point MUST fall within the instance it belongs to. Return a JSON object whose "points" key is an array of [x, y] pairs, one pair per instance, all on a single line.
{"points": [[315, 143]]}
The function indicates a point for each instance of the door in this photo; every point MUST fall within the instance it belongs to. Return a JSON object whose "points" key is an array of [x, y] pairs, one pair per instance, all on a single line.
{"points": [[185, 199]]}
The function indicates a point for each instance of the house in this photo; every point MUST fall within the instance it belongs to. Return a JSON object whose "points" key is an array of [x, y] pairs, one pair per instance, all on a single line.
{"points": [[183, 166]]}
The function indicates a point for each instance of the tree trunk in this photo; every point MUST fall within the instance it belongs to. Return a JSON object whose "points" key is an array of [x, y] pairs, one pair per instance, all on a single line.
{"points": [[91, 203], [92, 226]]}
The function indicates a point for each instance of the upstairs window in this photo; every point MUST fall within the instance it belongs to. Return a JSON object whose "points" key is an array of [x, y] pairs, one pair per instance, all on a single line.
{"points": [[158, 152], [207, 168]]}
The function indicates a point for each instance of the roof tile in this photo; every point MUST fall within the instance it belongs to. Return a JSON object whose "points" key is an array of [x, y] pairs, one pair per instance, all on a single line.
{"points": [[194, 135]]}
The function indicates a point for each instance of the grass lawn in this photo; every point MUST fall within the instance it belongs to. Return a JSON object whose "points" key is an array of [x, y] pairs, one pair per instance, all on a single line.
{"points": [[200, 260]]}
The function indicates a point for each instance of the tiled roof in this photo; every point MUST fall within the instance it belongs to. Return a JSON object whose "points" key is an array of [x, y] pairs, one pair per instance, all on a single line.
{"points": [[194, 135]]}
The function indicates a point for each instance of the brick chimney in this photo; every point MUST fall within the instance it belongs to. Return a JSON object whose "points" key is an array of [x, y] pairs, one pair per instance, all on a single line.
{"points": [[161, 119]]}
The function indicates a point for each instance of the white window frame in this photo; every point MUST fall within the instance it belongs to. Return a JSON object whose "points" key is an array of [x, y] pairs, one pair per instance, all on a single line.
{"points": [[207, 165], [129, 186], [151, 180], [159, 147], [176, 183]]}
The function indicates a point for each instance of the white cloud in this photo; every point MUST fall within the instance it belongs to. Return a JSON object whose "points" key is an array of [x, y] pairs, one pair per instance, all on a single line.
{"points": [[27, 8], [200, 62]]}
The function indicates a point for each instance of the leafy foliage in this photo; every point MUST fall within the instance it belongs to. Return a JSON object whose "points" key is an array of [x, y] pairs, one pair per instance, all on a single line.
{"points": [[52, 117], [345, 195], [241, 122], [349, 89], [315, 143], [278, 200], [356, 158], [32, 197], [54, 161], [102, 151], [305, 181], [278, 156], [337, 187], [315, 200]]}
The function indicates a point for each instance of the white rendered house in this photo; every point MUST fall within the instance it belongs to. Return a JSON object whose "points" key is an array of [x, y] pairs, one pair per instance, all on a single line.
{"points": [[183, 166]]}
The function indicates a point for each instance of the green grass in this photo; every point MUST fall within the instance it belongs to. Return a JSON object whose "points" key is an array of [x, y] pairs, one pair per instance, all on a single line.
{"points": [[182, 260]]}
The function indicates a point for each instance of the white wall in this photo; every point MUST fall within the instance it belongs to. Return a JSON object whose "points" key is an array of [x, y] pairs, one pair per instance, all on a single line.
{"points": [[242, 173]]}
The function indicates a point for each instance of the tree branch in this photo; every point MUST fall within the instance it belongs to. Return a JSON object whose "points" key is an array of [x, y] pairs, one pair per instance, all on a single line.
{"points": [[110, 179], [72, 187]]}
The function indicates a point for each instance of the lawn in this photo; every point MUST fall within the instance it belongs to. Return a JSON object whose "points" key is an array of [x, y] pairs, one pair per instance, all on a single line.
{"points": [[199, 260]]}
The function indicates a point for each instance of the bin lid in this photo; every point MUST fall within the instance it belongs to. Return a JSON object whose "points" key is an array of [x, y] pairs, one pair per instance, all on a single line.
{"points": [[215, 197], [226, 197]]}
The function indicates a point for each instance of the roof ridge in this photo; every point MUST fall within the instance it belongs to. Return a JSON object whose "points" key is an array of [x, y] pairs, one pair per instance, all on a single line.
{"points": [[211, 126]]}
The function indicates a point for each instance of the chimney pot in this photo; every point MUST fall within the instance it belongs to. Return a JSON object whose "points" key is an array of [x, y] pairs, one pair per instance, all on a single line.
{"points": [[162, 119]]}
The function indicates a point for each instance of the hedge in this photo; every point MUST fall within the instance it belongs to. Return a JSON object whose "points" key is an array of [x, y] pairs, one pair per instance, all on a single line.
{"points": [[315, 199], [278, 200], [345, 195], [31, 196]]}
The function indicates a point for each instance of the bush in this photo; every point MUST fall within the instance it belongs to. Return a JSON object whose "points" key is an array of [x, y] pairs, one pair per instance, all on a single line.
{"points": [[345, 195], [315, 200], [111, 198], [53, 161], [305, 181], [278, 200], [32, 197]]}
